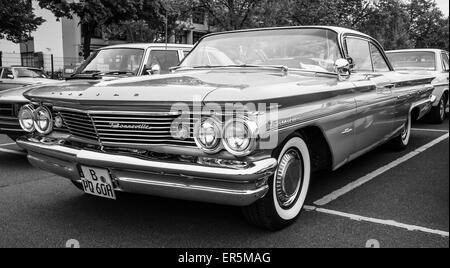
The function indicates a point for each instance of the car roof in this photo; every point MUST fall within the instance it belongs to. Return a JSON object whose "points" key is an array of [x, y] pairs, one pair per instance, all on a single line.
{"points": [[338, 30], [417, 50], [147, 45]]}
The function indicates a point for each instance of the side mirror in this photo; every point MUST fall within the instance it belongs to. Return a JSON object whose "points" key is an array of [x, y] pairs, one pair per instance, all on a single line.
{"points": [[343, 69]]}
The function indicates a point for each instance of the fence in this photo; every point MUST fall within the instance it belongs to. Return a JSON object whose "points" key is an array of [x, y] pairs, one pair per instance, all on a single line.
{"points": [[56, 67]]}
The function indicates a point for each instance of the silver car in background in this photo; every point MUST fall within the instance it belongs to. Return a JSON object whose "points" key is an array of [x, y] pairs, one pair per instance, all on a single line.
{"points": [[105, 64], [427, 61]]}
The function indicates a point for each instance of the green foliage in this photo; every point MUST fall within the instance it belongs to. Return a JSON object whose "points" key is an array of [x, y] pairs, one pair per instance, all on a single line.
{"points": [[17, 20], [395, 23]]}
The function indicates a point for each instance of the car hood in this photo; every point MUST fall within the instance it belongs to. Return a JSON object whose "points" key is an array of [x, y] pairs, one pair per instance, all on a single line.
{"points": [[184, 86]]}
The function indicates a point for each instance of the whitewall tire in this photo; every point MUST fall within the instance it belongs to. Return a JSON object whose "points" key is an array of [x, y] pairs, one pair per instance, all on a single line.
{"points": [[288, 188]]}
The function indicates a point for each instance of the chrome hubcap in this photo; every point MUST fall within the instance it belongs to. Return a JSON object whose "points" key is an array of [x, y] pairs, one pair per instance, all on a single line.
{"points": [[289, 178]]}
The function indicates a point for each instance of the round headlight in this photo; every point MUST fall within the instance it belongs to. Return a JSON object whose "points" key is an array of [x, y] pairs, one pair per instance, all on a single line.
{"points": [[43, 121], [208, 135], [240, 136], [26, 118]]}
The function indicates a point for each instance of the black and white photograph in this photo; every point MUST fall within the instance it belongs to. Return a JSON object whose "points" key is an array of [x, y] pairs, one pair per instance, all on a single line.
{"points": [[221, 130]]}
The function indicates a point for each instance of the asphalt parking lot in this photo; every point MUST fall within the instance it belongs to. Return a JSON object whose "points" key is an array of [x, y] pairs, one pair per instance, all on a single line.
{"points": [[392, 199]]}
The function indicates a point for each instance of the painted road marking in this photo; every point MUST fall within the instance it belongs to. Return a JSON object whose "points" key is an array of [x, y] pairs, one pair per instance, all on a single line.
{"points": [[7, 144], [12, 151], [431, 130], [353, 185], [392, 223]]}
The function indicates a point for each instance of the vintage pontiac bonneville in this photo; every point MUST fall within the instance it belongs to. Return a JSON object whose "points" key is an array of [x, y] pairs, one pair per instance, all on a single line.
{"points": [[244, 120]]}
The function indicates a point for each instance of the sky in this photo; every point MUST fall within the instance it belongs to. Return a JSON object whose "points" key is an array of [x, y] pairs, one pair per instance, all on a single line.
{"points": [[443, 4]]}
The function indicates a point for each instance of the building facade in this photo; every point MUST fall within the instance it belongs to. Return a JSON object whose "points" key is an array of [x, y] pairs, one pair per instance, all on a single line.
{"points": [[57, 43]]}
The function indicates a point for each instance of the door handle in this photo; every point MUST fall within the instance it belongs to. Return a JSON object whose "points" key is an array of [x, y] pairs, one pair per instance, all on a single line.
{"points": [[390, 86], [347, 130]]}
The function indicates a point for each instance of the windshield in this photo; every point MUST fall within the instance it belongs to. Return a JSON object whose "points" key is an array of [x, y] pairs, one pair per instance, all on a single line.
{"points": [[113, 61], [309, 49], [413, 60], [28, 73]]}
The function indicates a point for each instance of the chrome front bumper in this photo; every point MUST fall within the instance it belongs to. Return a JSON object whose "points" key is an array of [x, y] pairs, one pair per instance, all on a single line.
{"points": [[221, 185]]}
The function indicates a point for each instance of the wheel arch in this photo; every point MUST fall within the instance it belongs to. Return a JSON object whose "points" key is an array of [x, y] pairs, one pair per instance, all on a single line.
{"points": [[319, 147]]}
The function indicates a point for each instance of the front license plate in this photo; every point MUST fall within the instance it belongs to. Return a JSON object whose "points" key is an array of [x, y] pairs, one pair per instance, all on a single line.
{"points": [[97, 181]]}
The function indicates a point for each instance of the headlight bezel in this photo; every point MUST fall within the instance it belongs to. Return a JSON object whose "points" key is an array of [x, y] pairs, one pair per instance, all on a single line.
{"points": [[252, 136], [31, 110], [217, 128], [49, 114]]}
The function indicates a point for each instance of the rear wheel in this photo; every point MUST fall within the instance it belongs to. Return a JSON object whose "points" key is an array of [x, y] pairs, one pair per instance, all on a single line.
{"points": [[437, 114], [402, 140], [287, 188]]}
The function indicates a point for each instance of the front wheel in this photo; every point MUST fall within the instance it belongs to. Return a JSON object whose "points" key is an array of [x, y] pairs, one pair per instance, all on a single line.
{"points": [[288, 188]]}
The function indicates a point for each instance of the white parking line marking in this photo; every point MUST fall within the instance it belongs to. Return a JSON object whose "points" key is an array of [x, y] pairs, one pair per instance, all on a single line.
{"points": [[431, 130], [12, 151], [392, 223], [353, 185], [6, 144]]}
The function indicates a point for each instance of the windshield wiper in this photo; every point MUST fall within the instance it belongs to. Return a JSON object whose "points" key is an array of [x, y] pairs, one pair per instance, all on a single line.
{"points": [[118, 72], [281, 67]]}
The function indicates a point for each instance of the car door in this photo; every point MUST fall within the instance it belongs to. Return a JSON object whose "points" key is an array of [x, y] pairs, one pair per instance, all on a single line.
{"points": [[375, 102]]}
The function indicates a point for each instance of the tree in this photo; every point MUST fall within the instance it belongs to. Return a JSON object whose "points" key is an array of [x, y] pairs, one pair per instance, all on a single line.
{"points": [[427, 26], [345, 13], [94, 14], [17, 20], [389, 24]]}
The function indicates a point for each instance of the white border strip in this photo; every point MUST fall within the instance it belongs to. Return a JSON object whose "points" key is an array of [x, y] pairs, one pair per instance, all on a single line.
{"points": [[12, 151], [378, 221], [353, 185], [430, 130]]}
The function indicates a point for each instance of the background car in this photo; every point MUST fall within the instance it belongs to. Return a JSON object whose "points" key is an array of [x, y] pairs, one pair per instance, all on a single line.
{"points": [[427, 61], [14, 81], [17, 76], [131, 60], [108, 63]]}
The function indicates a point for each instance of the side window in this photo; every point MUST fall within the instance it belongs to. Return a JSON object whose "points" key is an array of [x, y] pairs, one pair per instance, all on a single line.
{"points": [[359, 51], [164, 58], [379, 63], [445, 61], [7, 73], [185, 53]]}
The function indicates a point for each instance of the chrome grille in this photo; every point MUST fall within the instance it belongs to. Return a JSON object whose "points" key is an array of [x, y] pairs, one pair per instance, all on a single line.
{"points": [[134, 128], [6, 109], [79, 124]]}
